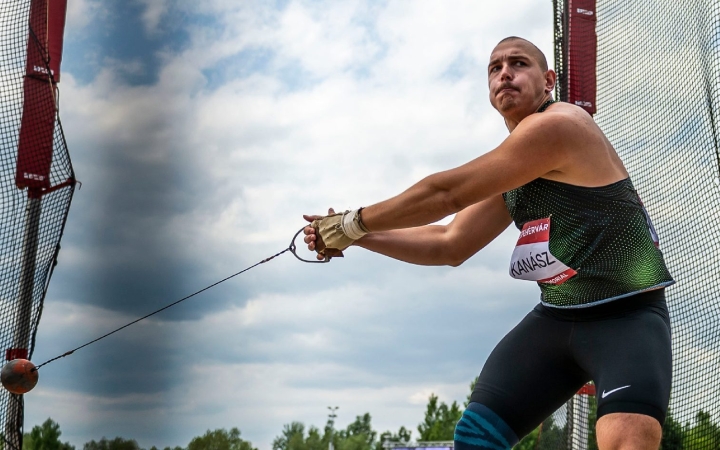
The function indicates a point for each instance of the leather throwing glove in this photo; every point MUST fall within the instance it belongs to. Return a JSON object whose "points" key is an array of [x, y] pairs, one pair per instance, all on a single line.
{"points": [[338, 231]]}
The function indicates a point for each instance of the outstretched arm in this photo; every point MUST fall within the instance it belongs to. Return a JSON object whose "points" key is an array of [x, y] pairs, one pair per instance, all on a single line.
{"points": [[563, 145], [436, 245], [535, 148]]}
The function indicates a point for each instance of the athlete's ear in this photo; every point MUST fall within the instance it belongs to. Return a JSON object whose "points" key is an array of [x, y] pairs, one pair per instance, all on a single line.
{"points": [[550, 79]]}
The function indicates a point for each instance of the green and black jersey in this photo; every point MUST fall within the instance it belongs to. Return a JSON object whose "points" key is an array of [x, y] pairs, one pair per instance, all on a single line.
{"points": [[603, 234]]}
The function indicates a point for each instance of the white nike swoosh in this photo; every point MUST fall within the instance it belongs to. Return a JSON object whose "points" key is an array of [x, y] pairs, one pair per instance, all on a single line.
{"points": [[605, 394]]}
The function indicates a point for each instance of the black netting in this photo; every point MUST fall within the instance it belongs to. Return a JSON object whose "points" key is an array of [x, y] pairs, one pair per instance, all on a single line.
{"points": [[34, 200], [657, 98]]}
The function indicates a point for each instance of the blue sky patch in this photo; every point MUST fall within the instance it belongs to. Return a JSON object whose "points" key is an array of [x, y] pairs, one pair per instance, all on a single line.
{"points": [[119, 36]]}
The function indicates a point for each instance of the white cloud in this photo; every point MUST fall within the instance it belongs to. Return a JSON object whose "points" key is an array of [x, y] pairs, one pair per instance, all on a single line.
{"points": [[80, 13], [153, 14]]}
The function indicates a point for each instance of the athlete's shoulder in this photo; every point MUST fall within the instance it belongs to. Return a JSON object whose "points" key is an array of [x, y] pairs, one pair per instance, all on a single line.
{"points": [[569, 111], [561, 121], [561, 114]]}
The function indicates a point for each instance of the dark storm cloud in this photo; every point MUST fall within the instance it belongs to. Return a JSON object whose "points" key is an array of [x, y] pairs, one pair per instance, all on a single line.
{"points": [[121, 256], [131, 190]]}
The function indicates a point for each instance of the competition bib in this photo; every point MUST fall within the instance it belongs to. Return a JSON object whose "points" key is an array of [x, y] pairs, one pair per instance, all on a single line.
{"points": [[532, 260]]}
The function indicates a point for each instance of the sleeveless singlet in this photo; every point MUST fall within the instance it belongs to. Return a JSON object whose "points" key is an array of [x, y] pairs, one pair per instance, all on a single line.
{"points": [[599, 241]]}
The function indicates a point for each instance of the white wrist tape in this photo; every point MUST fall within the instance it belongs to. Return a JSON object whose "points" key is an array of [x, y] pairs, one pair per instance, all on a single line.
{"points": [[350, 225]]}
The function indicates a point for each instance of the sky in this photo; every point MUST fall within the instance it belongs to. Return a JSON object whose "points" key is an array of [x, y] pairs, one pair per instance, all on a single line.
{"points": [[201, 132]]}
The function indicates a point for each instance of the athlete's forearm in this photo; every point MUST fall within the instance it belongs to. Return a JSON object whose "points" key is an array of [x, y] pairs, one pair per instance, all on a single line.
{"points": [[425, 246], [426, 202]]}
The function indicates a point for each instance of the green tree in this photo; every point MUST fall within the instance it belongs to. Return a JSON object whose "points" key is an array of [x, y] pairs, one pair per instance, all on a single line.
{"points": [[45, 437], [293, 438], [529, 442], [547, 436], [552, 436], [220, 439], [291, 433], [440, 420], [115, 444], [403, 435], [315, 441], [673, 434], [472, 388], [359, 435], [705, 434]]}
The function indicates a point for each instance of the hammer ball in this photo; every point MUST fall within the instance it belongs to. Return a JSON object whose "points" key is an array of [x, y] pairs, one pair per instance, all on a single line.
{"points": [[18, 376]]}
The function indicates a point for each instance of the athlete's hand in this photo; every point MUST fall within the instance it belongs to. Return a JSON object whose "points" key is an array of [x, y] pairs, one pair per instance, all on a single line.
{"points": [[314, 241]]}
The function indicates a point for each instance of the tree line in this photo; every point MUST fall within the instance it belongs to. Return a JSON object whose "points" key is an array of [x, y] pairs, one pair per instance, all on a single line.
{"points": [[438, 425], [47, 437]]}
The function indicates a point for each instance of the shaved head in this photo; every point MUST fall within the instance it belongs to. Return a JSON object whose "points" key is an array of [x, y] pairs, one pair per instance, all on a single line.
{"points": [[535, 52], [519, 80]]}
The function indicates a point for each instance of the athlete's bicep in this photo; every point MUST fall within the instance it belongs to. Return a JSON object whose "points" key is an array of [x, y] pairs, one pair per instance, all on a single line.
{"points": [[476, 226], [536, 148]]}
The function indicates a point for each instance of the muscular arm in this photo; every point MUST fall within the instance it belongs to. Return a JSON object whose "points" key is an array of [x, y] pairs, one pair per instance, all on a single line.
{"points": [[565, 146], [471, 230], [538, 146]]}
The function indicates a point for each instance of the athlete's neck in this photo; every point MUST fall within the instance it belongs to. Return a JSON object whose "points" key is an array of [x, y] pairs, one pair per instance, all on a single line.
{"points": [[545, 105], [512, 122]]}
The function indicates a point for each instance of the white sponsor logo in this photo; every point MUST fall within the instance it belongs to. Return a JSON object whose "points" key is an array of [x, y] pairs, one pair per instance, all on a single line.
{"points": [[605, 394], [582, 103], [587, 12], [43, 70], [534, 229], [33, 176]]}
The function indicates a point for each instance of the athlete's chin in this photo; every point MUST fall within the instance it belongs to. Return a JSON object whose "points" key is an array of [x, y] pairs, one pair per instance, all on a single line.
{"points": [[513, 105], [506, 105]]}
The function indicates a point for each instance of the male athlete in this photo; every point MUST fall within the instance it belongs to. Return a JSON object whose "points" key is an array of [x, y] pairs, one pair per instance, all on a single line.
{"points": [[585, 238]]}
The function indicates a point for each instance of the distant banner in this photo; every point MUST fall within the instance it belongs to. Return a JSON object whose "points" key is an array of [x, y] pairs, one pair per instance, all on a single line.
{"points": [[44, 50], [582, 54]]}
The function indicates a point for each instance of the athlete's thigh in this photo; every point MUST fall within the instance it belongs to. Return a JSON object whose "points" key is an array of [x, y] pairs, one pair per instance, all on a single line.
{"points": [[630, 360], [626, 430], [530, 373]]}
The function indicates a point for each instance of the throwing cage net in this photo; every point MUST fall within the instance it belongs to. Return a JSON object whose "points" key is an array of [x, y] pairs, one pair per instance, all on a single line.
{"points": [[36, 179], [649, 72]]}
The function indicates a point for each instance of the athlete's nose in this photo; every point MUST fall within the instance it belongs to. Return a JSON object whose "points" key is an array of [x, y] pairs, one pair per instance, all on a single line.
{"points": [[505, 73]]}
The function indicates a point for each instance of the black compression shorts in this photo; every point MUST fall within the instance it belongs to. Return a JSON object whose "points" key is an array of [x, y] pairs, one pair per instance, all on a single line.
{"points": [[623, 346]]}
